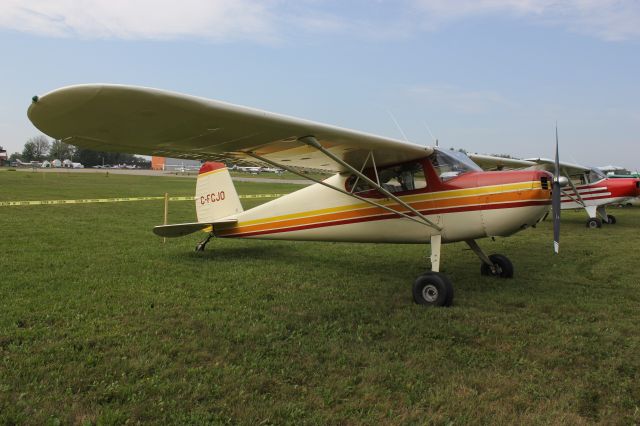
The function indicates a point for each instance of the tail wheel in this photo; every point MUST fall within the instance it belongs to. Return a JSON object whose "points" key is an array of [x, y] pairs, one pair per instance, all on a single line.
{"points": [[502, 267], [594, 223], [433, 289]]}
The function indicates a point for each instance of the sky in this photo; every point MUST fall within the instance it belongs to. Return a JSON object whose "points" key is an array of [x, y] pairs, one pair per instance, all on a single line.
{"points": [[489, 76]]}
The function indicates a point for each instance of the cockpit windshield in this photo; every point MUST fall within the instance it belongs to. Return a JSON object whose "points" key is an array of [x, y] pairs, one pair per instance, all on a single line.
{"points": [[596, 175], [449, 164], [590, 176]]}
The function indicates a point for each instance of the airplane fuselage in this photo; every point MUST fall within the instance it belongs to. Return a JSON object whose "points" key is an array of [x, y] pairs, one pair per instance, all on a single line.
{"points": [[472, 205], [603, 192]]}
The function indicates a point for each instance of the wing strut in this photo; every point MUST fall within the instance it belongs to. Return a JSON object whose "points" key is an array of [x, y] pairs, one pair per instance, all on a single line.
{"points": [[313, 142], [575, 190], [335, 188]]}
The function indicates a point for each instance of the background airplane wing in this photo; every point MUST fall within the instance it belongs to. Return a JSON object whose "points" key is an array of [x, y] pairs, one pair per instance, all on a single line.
{"points": [[490, 162], [140, 120], [566, 168]]}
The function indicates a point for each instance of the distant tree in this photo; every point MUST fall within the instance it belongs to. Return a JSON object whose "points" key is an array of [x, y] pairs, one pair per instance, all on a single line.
{"points": [[88, 157], [36, 149], [60, 150], [464, 151], [15, 156], [503, 156], [91, 158]]}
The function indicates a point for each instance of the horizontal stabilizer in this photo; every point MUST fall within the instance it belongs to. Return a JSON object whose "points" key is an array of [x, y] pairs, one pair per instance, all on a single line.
{"points": [[182, 229]]}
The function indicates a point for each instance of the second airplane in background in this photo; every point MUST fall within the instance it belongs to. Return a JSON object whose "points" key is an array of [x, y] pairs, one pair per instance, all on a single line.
{"points": [[587, 187]]}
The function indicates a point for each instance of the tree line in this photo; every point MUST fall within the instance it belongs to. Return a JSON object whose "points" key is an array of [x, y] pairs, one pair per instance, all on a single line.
{"points": [[40, 148]]}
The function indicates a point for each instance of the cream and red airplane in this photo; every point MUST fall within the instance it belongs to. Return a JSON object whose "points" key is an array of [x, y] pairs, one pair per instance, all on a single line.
{"points": [[587, 187], [383, 190]]}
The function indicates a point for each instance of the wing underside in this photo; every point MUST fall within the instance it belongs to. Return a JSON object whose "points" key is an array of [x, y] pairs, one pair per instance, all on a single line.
{"points": [[148, 121]]}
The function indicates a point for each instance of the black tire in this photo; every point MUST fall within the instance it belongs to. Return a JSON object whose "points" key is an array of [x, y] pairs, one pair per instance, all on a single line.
{"points": [[433, 289], [594, 223], [502, 264], [611, 219]]}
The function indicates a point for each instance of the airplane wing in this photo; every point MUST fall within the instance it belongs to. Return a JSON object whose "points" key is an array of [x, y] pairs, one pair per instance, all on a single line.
{"points": [[490, 162], [141, 120], [567, 168]]}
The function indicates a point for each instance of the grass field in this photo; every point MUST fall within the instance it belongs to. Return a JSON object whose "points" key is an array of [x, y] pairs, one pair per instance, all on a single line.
{"points": [[102, 323]]}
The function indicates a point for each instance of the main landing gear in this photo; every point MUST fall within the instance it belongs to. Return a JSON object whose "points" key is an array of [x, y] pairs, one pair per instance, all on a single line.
{"points": [[202, 244], [594, 222], [434, 288]]}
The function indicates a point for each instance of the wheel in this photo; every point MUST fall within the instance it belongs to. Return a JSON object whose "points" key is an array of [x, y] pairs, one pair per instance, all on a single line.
{"points": [[433, 289], [594, 223], [611, 219], [502, 264]]}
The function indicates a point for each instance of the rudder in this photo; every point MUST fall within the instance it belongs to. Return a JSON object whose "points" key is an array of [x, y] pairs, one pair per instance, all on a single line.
{"points": [[216, 197]]}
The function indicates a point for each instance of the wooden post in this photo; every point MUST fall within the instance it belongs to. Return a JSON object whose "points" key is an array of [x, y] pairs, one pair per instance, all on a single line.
{"points": [[166, 211]]}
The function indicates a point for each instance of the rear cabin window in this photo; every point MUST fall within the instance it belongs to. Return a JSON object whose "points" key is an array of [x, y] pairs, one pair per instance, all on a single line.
{"points": [[402, 178]]}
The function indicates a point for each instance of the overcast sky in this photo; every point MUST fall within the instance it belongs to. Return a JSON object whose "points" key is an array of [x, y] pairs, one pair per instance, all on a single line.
{"points": [[490, 76]]}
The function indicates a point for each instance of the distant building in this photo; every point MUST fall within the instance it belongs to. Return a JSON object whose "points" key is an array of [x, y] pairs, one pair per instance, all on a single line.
{"points": [[163, 163], [4, 159]]}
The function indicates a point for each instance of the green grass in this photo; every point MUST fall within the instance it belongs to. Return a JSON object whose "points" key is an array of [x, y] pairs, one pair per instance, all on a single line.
{"points": [[102, 323]]}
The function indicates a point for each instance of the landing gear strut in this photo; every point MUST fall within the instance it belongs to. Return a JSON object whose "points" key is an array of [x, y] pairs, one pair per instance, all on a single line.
{"points": [[495, 265], [594, 221], [433, 288], [202, 244]]}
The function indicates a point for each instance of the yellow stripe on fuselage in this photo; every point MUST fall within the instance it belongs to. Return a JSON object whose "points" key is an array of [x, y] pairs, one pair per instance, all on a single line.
{"points": [[442, 195], [211, 172]]}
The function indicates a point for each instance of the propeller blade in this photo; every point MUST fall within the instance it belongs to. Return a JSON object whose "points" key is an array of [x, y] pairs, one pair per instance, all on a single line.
{"points": [[555, 201]]}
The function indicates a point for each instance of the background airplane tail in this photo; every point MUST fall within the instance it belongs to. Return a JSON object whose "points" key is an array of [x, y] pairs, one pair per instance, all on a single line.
{"points": [[216, 197]]}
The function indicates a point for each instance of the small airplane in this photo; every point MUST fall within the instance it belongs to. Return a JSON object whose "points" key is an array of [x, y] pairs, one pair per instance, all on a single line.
{"points": [[248, 169], [383, 190], [33, 164], [588, 187]]}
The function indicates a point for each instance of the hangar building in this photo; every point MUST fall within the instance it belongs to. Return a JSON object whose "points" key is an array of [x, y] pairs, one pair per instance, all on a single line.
{"points": [[163, 163]]}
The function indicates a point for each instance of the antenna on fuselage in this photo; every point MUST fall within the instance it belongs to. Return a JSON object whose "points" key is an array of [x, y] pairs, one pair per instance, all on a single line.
{"points": [[397, 125], [430, 132]]}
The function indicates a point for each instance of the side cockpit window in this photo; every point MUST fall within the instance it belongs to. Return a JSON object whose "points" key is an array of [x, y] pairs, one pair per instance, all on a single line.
{"points": [[402, 178], [407, 177]]}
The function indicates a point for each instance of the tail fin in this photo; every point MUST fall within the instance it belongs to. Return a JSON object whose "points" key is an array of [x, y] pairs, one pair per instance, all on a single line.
{"points": [[216, 197]]}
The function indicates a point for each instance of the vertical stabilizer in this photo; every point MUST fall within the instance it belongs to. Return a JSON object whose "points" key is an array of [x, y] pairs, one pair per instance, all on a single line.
{"points": [[216, 197]]}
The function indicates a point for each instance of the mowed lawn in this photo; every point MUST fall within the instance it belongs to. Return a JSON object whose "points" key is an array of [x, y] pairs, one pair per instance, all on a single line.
{"points": [[100, 322]]}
